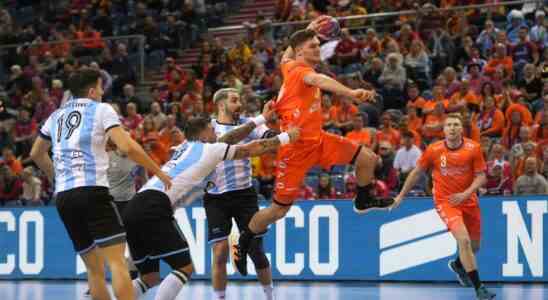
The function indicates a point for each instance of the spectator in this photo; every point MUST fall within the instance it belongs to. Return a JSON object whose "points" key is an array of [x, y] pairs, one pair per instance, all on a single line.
{"points": [[406, 157], [387, 132], [531, 183], [530, 85], [158, 117], [490, 119], [133, 119], [365, 136], [463, 98], [171, 135], [538, 33], [11, 187], [385, 171], [500, 60], [306, 192], [325, 188], [24, 133], [341, 115], [417, 64], [441, 49], [393, 79], [32, 188], [497, 183], [486, 39]]}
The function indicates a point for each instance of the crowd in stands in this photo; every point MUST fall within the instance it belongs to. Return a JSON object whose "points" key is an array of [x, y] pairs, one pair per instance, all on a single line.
{"points": [[491, 65]]}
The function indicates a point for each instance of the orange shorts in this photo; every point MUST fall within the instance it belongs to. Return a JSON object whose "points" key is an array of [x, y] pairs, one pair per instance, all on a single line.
{"points": [[294, 161], [454, 216]]}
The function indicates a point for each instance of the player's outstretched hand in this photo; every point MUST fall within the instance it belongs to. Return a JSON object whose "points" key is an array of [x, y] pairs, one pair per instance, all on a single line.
{"points": [[457, 199], [268, 111], [166, 180], [294, 133], [397, 201], [364, 95]]}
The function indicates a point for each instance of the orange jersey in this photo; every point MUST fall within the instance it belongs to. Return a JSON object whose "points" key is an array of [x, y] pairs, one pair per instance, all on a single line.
{"points": [[362, 137], [298, 103], [453, 171]]}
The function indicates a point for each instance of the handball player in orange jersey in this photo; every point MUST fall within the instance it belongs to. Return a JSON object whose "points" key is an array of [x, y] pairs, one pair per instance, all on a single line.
{"points": [[458, 171], [299, 105]]}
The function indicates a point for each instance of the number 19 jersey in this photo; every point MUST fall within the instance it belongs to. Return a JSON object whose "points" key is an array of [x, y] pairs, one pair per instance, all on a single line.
{"points": [[78, 135]]}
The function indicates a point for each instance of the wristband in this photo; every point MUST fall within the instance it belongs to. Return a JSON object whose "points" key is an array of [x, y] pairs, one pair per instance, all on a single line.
{"points": [[284, 138], [259, 120]]}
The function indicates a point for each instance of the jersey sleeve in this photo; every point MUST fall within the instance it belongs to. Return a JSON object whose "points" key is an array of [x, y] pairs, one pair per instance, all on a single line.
{"points": [[45, 130], [479, 161], [259, 132], [222, 151], [425, 160], [108, 117]]}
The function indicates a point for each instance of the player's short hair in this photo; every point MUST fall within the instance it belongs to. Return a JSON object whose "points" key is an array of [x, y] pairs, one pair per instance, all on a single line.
{"points": [[194, 127], [82, 81], [222, 94], [457, 116], [300, 37]]}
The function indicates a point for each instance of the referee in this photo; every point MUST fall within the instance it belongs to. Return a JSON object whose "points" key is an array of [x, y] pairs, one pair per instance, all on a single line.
{"points": [[232, 196]]}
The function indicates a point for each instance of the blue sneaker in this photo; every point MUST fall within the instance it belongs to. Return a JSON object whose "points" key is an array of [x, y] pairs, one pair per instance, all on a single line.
{"points": [[462, 276], [483, 294]]}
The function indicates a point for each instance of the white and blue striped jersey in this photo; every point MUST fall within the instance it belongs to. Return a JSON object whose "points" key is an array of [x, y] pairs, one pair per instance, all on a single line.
{"points": [[190, 169], [78, 135], [233, 175]]}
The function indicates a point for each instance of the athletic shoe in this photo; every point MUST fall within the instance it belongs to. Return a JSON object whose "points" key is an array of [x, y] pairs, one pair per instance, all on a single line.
{"points": [[461, 274], [483, 294], [87, 294], [238, 256], [365, 204]]}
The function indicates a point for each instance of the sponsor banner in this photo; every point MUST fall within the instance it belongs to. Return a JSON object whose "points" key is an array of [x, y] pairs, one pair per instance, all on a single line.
{"points": [[318, 240]]}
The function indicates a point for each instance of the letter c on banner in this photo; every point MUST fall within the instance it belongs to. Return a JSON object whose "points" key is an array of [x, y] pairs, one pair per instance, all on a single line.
{"points": [[284, 267], [8, 218]]}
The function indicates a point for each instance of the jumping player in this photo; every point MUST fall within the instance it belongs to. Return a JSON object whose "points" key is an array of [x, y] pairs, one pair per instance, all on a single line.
{"points": [[152, 232], [458, 171], [299, 104], [78, 132], [232, 196]]}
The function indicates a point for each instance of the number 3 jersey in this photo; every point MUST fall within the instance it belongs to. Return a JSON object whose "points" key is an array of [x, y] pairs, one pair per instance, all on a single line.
{"points": [[453, 170], [77, 131]]}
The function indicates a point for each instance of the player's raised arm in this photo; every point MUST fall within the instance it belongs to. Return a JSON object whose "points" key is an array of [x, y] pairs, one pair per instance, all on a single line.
{"points": [[136, 153], [327, 83], [241, 132], [260, 147]]}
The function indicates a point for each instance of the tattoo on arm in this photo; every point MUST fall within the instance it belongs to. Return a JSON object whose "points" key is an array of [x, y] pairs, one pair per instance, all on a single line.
{"points": [[237, 134], [256, 148]]}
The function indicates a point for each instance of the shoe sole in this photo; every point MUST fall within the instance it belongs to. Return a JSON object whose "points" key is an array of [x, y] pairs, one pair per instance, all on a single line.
{"points": [[461, 282], [364, 211], [232, 242]]}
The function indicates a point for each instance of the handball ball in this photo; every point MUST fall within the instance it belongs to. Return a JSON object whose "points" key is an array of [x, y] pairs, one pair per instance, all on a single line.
{"points": [[328, 28]]}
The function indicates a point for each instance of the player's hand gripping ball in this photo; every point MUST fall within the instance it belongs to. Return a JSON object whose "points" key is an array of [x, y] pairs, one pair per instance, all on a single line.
{"points": [[326, 27]]}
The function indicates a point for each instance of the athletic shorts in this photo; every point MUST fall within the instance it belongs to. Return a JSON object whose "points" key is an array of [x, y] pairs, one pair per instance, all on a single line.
{"points": [[220, 209], [153, 233], [294, 161], [469, 215], [90, 217]]}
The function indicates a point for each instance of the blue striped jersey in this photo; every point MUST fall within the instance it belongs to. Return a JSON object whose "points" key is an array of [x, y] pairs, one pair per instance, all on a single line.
{"points": [[190, 168], [233, 175], [78, 135]]}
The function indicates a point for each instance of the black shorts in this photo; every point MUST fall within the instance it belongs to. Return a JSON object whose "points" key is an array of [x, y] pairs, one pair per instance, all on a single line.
{"points": [[90, 217], [153, 233], [222, 208]]}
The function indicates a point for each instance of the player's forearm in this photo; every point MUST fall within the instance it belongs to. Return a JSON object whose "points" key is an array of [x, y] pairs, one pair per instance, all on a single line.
{"points": [[478, 182], [45, 164], [411, 181], [237, 134], [257, 148], [329, 84], [137, 154]]}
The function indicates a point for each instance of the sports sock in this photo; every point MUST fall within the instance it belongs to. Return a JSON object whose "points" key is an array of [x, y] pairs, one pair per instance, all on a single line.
{"points": [[140, 287], [474, 276], [171, 285], [218, 295], [269, 291]]}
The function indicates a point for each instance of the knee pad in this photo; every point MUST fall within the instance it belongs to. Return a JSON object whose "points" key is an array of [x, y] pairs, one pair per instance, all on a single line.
{"points": [[257, 255]]}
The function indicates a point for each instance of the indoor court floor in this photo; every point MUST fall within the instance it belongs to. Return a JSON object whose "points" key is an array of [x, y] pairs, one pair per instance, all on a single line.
{"points": [[198, 290]]}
